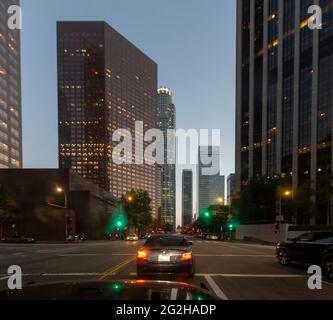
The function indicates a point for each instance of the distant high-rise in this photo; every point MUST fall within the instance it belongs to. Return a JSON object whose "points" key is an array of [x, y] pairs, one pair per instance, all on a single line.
{"points": [[231, 188], [284, 95], [211, 187], [187, 196], [166, 120], [10, 91], [105, 83]]}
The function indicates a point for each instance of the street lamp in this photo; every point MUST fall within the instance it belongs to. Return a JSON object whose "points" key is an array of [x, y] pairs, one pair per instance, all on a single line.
{"points": [[61, 190], [220, 200], [129, 198], [286, 194]]}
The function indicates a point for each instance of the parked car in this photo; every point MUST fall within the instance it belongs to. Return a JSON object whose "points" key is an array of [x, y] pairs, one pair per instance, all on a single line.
{"points": [[212, 237], [19, 239], [311, 248]]}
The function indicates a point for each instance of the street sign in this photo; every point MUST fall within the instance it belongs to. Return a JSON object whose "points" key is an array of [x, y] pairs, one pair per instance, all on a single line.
{"points": [[280, 218]]}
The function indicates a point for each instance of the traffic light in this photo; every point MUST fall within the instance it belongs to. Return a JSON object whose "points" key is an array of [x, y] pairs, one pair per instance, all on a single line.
{"points": [[231, 226]]}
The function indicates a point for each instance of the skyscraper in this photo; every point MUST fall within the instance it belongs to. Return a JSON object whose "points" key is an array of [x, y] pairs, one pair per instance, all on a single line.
{"points": [[166, 120], [231, 188], [187, 197], [105, 83], [211, 187], [10, 91], [284, 94]]}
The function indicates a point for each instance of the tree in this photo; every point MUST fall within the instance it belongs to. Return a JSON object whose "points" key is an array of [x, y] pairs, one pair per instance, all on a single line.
{"points": [[8, 208], [303, 203], [137, 206]]}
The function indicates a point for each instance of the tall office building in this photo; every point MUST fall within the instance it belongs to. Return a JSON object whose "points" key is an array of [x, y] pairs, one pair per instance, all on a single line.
{"points": [[211, 186], [231, 188], [187, 195], [10, 91], [105, 83], [284, 93], [166, 120]]}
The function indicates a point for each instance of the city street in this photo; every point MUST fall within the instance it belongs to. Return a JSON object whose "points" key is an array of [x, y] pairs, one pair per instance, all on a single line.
{"points": [[230, 270]]}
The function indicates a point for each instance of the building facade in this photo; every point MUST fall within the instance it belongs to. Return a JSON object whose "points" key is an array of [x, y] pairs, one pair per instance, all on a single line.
{"points": [[105, 83], [284, 94], [187, 197], [211, 187], [42, 209], [10, 91], [231, 188], [166, 120]]}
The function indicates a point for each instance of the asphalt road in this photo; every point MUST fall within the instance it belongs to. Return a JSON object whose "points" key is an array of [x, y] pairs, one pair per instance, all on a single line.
{"points": [[232, 271]]}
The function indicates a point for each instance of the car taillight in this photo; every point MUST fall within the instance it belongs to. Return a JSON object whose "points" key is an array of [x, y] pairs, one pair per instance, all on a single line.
{"points": [[186, 256], [142, 255]]}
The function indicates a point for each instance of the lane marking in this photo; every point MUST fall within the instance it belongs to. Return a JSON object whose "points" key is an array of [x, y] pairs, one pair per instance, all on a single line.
{"points": [[328, 283], [217, 290], [230, 275], [236, 255], [87, 274], [237, 248], [4, 278], [95, 255], [116, 268]]}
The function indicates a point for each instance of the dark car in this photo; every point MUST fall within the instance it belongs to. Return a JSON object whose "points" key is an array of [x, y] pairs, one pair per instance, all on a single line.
{"points": [[311, 248], [166, 254], [19, 239], [110, 291]]}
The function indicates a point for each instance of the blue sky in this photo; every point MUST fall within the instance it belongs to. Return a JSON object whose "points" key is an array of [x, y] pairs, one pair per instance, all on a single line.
{"points": [[193, 42]]}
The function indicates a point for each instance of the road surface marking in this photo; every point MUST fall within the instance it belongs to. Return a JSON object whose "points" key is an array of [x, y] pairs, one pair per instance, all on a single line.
{"points": [[91, 274], [236, 247], [116, 268], [251, 275], [87, 274], [96, 255], [217, 290], [236, 255], [328, 283]]}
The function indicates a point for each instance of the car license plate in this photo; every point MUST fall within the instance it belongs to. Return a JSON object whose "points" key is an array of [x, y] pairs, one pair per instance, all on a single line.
{"points": [[164, 258]]}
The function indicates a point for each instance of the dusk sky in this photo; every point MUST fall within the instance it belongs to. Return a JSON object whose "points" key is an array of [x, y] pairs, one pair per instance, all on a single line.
{"points": [[192, 41]]}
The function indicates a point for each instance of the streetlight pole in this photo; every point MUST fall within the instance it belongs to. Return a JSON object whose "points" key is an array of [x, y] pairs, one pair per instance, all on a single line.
{"points": [[61, 190]]}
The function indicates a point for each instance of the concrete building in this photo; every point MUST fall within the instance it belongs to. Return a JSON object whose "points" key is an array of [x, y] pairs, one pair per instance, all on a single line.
{"points": [[211, 187], [284, 95], [105, 83], [46, 196], [166, 120], [187, 198], [10, 91]]}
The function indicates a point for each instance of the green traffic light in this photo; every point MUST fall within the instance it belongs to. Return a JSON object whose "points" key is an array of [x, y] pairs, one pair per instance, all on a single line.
{"points": [[231, 226]]}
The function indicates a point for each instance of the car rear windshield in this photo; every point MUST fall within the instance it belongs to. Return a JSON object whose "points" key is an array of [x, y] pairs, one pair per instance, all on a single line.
{"points": [[166, 242]]}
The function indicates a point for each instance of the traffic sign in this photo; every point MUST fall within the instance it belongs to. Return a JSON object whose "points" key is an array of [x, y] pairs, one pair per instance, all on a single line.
{"points": [[280, 218], [230, 216]]}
